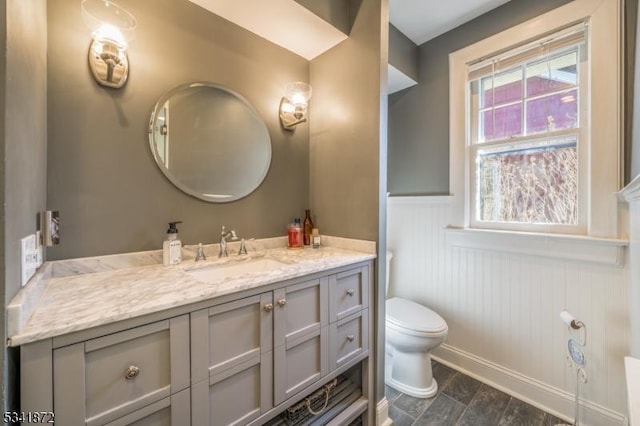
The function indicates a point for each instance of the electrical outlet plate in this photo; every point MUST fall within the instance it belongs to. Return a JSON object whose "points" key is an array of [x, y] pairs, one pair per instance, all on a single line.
{"points": [[39, 250], [28, 257]]}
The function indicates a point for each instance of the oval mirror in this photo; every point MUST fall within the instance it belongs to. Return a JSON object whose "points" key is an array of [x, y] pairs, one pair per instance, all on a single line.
{"points": [[210, 142]]}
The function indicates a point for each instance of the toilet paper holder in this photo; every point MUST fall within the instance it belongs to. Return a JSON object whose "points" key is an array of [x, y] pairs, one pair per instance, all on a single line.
{"points": [[576, 327], [570, 320]]}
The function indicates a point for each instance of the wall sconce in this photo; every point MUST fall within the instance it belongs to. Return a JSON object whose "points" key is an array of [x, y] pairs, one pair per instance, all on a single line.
{"points": [[293, 107], [111, 26]]}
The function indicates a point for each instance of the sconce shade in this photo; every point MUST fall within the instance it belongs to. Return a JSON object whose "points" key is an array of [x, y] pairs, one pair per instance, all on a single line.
{"points": [[293, 106], [112, 27], [298, 92], [97, 13]]}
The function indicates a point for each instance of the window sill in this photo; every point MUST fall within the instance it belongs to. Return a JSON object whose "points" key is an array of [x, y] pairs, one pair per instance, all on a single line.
{"points": [[604, 251]]}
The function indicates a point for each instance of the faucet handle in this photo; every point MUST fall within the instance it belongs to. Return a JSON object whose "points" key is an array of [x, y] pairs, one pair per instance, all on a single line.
{"points": [[231, 234], [243, 247]]}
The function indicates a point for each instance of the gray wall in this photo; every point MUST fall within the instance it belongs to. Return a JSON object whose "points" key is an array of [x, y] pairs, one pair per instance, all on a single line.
{"points": [[403, 53], [632, 103], [345, 137], [336, 12], [102, 177], [24, 139], [348, 135], [419, 116]]}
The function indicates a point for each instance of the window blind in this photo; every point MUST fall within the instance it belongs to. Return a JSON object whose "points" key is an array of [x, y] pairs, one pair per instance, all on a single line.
{"points": [[559, 40]]}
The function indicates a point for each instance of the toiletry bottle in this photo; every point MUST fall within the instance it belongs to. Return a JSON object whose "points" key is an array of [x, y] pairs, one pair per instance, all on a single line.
{"points": [[308, 227], [300, 233], [172, 246], [292, 238], [294, 234], [315, 238]]}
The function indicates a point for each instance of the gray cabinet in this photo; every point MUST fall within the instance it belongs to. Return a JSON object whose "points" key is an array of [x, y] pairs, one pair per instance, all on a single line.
{"points": [[231, 359], [348, 292], [349, 313], [251, 354], [237, 361], [174, 410], [104, 380], [349, 338], [301, 336]]}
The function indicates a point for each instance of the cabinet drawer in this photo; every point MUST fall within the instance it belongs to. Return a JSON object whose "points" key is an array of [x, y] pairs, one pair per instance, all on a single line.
{"points": [[349, 338], [100, 380], [172, 411], [348, 293]]}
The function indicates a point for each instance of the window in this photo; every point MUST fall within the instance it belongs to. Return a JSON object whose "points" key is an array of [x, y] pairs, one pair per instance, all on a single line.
{"points": [[526, 127], [535, 125]]}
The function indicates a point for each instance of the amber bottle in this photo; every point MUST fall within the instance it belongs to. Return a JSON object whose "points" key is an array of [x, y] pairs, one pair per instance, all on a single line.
{"points": [[308, 227]]}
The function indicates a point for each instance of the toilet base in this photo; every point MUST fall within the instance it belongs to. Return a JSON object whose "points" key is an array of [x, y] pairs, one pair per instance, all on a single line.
{"points": [[415, 392], [413, 374]]}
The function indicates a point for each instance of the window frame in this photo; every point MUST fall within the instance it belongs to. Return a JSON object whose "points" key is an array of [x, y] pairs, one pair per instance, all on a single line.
{"points": [[599, 161], [582, 144]]}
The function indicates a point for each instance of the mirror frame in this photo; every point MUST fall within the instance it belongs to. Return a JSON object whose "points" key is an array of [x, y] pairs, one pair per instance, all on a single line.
{"points": [[173, 179]]}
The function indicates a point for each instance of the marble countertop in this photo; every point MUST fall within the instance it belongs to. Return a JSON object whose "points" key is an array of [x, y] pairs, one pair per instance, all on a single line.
{"points": [[62, 301]]}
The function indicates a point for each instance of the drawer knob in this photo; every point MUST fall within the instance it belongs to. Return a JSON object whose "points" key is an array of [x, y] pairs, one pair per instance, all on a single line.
{"points": [[351, 338], [131, 372], [268, 307], [351, 292], [282, 302]]}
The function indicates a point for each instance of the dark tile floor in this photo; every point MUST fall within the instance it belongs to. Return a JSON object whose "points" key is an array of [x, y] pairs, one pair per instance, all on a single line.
{"points": [[463, 401]]}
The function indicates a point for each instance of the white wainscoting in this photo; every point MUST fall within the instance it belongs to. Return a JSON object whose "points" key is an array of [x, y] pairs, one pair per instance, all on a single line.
{"points": [[503, 312]]}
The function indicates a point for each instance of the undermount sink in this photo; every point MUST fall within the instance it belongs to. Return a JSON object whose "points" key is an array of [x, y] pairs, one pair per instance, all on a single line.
{"points": [[218, 272]]}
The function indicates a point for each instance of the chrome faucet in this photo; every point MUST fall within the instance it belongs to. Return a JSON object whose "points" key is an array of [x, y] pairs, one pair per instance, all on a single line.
{"points": [[200, 253], [224, 234]]}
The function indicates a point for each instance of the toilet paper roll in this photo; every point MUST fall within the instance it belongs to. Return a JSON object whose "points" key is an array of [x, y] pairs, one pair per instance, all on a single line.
{"points": [[567, 318]]}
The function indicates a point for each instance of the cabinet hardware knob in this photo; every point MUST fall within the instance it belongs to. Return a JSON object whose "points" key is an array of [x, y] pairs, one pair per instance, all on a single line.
{"points": [[131, 372], [351, 338], [282, 302], [268, 307], [351, 292]]}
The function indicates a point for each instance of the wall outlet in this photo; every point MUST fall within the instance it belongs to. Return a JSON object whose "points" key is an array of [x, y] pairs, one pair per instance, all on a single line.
{"points": [[28, 257]]}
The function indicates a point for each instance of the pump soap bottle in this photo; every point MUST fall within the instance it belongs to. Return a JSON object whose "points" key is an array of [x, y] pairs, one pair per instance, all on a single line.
{"points": [[172, 246]]}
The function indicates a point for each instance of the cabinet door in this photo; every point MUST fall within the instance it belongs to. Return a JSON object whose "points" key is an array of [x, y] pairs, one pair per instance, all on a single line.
{"points": [[103, 379], [301, 337], [231, 356], [348, 293], [172, 411], [349, 338]]}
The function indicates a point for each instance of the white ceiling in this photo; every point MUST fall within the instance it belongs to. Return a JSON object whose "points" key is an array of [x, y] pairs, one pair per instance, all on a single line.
{"points": [[283, 22], [276, 20], [422, 20]]}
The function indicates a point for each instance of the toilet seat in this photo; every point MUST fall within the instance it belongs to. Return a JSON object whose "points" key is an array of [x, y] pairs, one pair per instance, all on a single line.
{"points": [[412, 318]]}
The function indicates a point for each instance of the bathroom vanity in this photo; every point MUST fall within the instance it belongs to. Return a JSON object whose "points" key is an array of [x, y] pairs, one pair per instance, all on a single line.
{"points": [[232, 341]]}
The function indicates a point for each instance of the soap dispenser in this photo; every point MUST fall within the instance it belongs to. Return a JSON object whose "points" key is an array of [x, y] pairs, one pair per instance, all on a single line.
{"points": [[172, 246]]}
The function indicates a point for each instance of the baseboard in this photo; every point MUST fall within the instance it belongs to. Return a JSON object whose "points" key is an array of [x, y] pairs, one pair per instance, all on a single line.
{"points": [[550, 399], [382, 413]]}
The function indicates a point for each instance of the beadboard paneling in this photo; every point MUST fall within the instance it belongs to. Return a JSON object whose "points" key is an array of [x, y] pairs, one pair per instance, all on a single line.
{"points": [[503, 311]]}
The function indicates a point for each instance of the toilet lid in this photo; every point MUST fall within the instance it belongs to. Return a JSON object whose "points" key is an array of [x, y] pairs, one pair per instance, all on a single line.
{"points": [[413, 316]]}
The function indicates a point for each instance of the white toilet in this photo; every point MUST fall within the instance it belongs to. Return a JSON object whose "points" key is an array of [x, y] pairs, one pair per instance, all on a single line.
{"points": [[412, 332]]}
